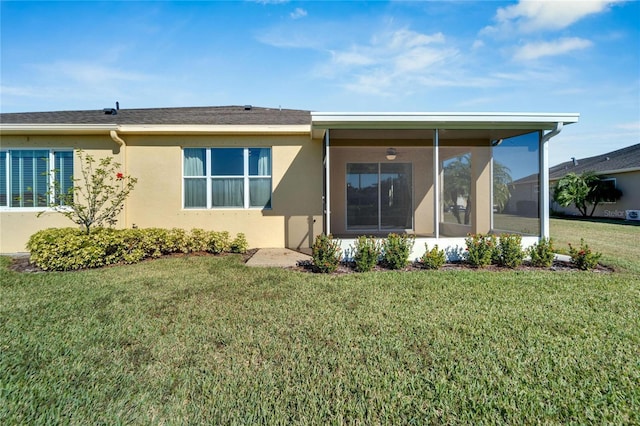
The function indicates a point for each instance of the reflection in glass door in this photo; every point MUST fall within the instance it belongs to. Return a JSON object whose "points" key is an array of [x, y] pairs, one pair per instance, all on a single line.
{"points": [[379, 196]]}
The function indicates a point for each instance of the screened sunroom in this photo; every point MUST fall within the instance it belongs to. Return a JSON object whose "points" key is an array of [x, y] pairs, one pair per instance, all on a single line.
{"points": [[438, 176]]}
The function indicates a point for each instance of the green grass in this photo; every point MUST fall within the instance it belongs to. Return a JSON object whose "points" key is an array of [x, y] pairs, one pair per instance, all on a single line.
{"points": [[207, 340], [618, 242]]}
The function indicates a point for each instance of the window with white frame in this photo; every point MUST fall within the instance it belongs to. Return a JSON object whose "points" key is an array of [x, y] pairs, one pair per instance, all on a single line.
{"points": [[227, 178], [33, 177]]}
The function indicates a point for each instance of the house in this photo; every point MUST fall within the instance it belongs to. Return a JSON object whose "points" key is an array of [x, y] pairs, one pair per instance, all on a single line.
{"points": [[284, 176], [621, 168]]}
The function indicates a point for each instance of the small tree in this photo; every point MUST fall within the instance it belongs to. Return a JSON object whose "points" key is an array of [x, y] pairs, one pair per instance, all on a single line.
{"points": [[98, 196], [583, 191]]}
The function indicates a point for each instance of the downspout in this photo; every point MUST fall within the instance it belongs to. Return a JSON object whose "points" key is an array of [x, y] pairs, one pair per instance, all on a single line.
{"points": [[436, 183], [544, 179], [123, 145], [327, 190]]}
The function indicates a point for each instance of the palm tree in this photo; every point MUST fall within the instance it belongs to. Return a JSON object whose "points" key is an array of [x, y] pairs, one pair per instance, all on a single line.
{"points": [[502, 185], [457, 184], [583, 190]]}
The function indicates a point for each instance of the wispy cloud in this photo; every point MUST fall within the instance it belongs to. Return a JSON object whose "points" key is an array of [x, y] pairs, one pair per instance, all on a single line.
{"points": [[269, 1], [535, 50], [85, 72], [391, 58], [298, 13], [529, 16], [633, 125]]}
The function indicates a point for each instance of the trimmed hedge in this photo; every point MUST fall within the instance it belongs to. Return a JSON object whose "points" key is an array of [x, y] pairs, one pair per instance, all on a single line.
{"points": [[65, 249]]}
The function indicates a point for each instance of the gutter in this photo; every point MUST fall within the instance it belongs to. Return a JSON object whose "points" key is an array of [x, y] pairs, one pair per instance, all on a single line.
{"points": [[123, 145], [554, 132]]}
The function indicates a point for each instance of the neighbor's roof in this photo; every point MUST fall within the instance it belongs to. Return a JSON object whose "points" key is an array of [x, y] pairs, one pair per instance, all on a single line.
{"points": [[625, 159], [221, 115]]}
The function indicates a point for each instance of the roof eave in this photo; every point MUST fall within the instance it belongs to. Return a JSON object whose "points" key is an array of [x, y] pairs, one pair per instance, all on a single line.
{"points": [[225, 129], [449, 120], [152, 129], [56, 129]]}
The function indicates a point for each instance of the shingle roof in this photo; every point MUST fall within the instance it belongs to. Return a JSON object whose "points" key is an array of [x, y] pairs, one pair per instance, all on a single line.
{"points": [[238, 115], [625, 158]]}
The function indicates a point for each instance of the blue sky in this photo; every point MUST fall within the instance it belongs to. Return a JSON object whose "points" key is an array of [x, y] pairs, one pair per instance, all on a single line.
{"points": [[532, 56]]}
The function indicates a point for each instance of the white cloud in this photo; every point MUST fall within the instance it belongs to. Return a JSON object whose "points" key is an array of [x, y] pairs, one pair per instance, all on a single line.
{"points": [[85, 72], [535, 15], [531, 51], [633, 125], [477, 44], [397, 58], [298, 13]]}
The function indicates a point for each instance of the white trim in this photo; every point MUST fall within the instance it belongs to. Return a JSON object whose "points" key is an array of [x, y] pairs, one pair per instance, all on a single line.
{"points": [[209, 178], [153, 129], [51, 195], [235, 129], [436, 183], [449, 120], [327, 195], [53, 129]]}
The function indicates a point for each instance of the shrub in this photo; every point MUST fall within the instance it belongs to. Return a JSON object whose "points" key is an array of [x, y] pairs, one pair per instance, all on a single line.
{"points": [[396, 249], [584, 258], [481, 250], [239, 244], [510, 253], [64, 249], [326, 253], [434, 258], [218, 242], [366, 253], [177, 241], [198, 240], [542, 253]]}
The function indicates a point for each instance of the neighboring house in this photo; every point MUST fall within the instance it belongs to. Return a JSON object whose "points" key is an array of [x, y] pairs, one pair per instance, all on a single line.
{"points": [[283, 176], [621, 168]]}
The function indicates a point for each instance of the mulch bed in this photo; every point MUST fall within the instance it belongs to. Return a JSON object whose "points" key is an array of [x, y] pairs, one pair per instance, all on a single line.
{"points": [[349, 268], [22, 264]]}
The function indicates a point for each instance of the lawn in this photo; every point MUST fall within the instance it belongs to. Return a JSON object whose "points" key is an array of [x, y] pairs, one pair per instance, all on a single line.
{"points": [[206, 340]]}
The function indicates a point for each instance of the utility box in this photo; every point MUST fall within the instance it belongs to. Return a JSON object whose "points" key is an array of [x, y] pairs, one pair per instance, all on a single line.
{"points": [[632, 214]]}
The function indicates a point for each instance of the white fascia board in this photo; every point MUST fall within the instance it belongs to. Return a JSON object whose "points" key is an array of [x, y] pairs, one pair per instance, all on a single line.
{"points": [[449, 120], [56, 129], [170, 129]]}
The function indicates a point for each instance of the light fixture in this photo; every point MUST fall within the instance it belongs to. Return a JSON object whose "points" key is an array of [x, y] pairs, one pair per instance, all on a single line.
{"points": [[391, 154]]}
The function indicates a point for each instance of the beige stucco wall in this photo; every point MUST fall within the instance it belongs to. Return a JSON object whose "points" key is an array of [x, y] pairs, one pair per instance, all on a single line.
{"points": [[296, 213], [17, 225], [156, 161], [421, 159]]}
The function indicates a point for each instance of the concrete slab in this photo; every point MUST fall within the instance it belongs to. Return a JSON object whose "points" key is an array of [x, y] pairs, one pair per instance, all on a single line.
{"points": [[277, 258]]}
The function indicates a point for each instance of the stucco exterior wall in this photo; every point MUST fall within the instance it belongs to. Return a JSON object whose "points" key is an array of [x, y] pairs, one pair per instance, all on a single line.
{"points": [[293, 220], [18, 224], [156, 161]]}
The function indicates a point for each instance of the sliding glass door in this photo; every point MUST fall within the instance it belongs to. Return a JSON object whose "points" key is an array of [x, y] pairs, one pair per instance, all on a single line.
{"points": [[379, 196]]}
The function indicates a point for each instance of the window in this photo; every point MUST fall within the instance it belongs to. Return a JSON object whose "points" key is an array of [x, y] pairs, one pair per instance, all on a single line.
{"points": [[27, 176], [227, 178], [608, 186]]}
